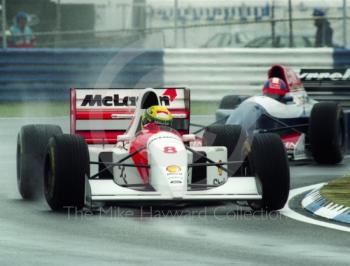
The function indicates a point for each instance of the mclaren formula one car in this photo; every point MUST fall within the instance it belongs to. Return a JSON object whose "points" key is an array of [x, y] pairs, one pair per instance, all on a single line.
{"points": [[308, 129], [109, 158]]}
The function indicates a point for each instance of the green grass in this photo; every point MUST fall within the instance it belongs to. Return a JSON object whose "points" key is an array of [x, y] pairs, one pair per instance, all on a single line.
{"points": [[204, 108], [34, 109], [338, 191], [50, 109]]}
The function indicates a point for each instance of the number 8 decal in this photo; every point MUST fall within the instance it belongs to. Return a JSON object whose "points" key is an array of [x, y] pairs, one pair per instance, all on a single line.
{"points": [[169, 149]]}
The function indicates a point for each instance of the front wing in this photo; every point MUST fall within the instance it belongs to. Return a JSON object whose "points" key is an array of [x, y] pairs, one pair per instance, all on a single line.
{"points": [[236, 188]]}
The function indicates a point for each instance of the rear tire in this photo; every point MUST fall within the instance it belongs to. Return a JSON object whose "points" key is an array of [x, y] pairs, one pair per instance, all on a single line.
{"points": [[31, 149], [327, 133], [66, 165], [231, 101], [233, 137], [269, 163]]}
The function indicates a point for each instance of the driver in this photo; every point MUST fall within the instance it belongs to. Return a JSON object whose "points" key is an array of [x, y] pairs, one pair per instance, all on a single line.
{"points": [[156, 116], [152, 120], [275, 88]]}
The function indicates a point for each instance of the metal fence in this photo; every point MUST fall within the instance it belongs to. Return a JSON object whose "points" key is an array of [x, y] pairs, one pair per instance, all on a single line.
{"points": [[186, 24]]}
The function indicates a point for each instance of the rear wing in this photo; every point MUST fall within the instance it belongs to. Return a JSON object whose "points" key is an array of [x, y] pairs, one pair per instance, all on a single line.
{"points": [[100, 115], [327, 84]]}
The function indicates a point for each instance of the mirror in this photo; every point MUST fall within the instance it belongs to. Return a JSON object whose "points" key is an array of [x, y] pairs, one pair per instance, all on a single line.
{"points": [[123, 138], [188, 137]]}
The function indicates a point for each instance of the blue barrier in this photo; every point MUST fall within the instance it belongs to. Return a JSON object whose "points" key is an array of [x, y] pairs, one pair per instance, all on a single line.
{"points": [[341, 58], [47, 74]]}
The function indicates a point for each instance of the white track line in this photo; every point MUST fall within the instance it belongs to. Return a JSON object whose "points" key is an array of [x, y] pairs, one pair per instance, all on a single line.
{"points": [[287, 211]]}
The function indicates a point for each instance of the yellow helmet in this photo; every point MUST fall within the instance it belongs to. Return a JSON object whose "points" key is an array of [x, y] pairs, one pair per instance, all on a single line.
{"points": [[157, 114]]}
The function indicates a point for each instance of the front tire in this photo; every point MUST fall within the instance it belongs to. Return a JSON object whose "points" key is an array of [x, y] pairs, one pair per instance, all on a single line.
{"points": [[269, 163], [31, 149], [66, 165], [327, 133]]}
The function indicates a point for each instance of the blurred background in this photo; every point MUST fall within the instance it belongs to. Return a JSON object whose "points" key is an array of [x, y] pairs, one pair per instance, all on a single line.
{"points": [[215, 48], [175, 23]]}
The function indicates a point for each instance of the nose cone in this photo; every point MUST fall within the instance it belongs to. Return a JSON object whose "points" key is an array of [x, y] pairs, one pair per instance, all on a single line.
{"points": [[168, 161], [176, 176]]}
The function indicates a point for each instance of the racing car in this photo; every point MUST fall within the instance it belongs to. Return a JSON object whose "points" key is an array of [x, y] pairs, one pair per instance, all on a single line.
{"points": [[111, 157], [308, 129]]}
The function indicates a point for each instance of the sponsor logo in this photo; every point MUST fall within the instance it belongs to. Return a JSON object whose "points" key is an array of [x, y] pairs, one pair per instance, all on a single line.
{"points": [[176, 182], [173, 169], [122, 173], [219, 12], [220, 171], [116, 100], [299, 152], [325, 75], [162, 137], [290, 145], [217, 181], [169, 149]]}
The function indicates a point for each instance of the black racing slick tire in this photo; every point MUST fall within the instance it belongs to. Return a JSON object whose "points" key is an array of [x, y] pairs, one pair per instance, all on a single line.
{"points": [[66, 165], [233, 137], [327, 133], [31, 149], [231, 101], [269, 161]]}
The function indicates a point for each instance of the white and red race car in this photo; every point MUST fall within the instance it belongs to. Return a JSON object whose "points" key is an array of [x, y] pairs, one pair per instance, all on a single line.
{"points": [[109, 158], [308, 129]]}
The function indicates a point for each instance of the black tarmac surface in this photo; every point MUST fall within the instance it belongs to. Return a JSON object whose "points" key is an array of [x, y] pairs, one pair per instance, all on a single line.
{"points": [[30, 234]]}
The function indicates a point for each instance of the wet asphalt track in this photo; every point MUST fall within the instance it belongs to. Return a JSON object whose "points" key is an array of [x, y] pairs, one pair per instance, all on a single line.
{"points": [[30, 234]]}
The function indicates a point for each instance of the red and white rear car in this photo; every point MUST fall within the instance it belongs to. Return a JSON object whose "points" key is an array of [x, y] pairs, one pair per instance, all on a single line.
{"points": [[161, 169]]}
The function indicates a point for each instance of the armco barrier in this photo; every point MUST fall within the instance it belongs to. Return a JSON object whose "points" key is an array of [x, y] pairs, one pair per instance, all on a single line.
{"points": [[47, 74], [213, 73]]}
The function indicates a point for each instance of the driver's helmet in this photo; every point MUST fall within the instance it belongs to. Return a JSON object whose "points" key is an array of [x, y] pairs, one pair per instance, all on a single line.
{"points": [[318, 12], [275, 88], [21, 15], [156, 114]]}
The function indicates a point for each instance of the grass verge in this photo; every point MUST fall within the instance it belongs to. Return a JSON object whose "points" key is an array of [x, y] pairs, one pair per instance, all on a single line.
{"points": [[204, 108], [34, 109], [338, 191], [50, 109]]}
